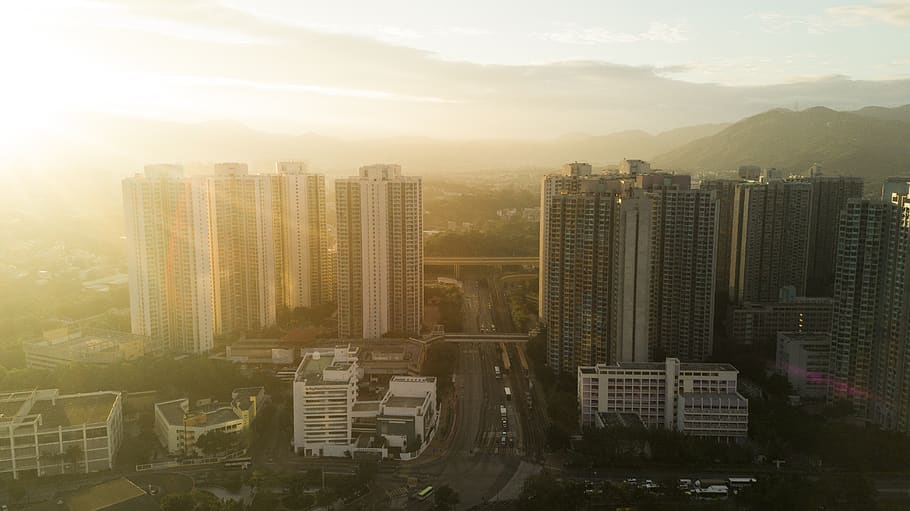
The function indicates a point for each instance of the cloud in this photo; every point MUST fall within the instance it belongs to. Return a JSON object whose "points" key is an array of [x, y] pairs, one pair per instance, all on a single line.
{"points": [[895, 12], [301, 88], [657, 32], [336, 83], [149, 18]]}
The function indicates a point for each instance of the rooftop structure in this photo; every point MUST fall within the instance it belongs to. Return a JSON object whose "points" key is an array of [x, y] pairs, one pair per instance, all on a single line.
{"points": [[179, 426], [65, 346], [45, 433], [330, 420]]}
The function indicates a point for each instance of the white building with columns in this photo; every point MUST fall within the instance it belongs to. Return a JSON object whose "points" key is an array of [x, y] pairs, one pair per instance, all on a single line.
{"points": [[698, 399]]}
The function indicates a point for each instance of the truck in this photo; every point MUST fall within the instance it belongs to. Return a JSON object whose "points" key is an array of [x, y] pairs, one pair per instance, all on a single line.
{"points": [[498, 372], [502, 411], [508, 394]]}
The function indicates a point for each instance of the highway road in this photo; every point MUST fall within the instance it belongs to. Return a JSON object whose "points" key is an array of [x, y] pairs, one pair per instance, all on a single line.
{"points": [[475, 463]]}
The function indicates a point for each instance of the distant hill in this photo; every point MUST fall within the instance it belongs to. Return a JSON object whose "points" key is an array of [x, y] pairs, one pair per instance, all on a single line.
{"points": [[122, 145], [842, 142], [901, 113]]}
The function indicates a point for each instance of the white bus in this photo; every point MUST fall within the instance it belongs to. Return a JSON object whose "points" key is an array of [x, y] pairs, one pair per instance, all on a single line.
{"points": [[498, 373], [740, 482], [508, 394], [712, 492]]}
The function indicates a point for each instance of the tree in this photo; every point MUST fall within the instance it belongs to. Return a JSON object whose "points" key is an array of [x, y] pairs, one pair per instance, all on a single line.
{"points": [[542, 492], [440, 362], [366, 472], [214, 442], [446, 498], [184, 502]]}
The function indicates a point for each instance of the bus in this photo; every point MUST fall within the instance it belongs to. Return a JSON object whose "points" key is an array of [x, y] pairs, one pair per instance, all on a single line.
{"points": [[716, 491], [498, 373], [424, 494], [740, 482], [508, 394]]}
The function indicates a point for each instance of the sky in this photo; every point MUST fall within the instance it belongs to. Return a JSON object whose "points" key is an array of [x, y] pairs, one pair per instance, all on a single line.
{"points": [[445, 68]]}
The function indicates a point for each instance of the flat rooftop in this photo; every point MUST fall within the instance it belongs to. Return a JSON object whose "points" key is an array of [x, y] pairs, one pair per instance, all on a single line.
{"points": [[172, 411], [621, 420], [64, 411], [405, 401], [244, 396], [216, 413], [366, 406], [706, 366], [104, 495], [90, 340], [312, 369], [656, 366]]}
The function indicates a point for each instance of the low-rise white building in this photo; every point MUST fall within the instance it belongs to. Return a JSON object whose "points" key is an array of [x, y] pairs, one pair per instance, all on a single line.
{"points": [[179, 427], [698, 399], [325, 389], [329, 420], [45, 433], [407, 414], [803, 358]]}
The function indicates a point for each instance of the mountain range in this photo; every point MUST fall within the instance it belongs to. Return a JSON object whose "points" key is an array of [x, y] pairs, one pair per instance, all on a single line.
{"points": [[872, 142]]}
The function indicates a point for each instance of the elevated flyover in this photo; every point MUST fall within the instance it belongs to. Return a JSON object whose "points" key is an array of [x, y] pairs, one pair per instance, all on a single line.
{"points": [[492, 338], [458, 262], [481, 261]]}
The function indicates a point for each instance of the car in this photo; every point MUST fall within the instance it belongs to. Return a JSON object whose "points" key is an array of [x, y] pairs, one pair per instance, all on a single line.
{"points": [[648, 485]]}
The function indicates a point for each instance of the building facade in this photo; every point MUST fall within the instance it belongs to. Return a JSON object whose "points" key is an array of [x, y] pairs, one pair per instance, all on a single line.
{"points": [[698, 399], [248, 264], [829, 196], [309, 277], [803, 358], [325, 389], [869, 349], [725, 192], [222, 253], [45, 433], [170, 256], [380, 253], [552, 186], [759, 323], [598, 275], [629, 267], [683, 251], [769, 240]]}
